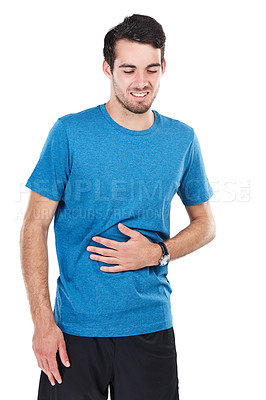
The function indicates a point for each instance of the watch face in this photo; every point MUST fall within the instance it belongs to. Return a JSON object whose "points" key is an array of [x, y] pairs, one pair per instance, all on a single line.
{"points": [[165, 259]]}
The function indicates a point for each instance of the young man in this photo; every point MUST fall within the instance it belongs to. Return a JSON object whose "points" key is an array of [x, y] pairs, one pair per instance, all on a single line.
{"points": [[107, 175]]}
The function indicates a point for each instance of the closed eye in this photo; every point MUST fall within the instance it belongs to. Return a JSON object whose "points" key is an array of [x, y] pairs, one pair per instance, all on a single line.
{"points": [[131, 72]]}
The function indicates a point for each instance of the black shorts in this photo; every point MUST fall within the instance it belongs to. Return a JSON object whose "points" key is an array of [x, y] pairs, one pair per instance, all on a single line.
{"points": [[139, 367]]}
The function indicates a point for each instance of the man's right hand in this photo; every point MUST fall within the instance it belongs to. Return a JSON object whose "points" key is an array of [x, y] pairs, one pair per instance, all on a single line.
{"points": [[46, 341]]}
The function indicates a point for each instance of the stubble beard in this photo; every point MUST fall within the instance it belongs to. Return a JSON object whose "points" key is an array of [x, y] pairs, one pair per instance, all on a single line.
{"points": [[139, 108]]}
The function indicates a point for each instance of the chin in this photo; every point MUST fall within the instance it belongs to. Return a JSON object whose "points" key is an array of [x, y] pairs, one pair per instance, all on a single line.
{"points": [[138, 108], [139, 111], [133, 106]]}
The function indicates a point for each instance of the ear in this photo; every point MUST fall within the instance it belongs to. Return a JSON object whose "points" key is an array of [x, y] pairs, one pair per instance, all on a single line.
{"points": [[164, 66], [107, 69]]}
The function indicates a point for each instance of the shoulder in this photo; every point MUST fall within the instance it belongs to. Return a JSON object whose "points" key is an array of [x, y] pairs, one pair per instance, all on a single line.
{"points": [[177, 127], [76, 125], [73, 120]]}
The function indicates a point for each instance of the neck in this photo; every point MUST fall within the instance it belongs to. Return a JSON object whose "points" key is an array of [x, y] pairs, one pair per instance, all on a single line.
{"points": [[128, 119]]}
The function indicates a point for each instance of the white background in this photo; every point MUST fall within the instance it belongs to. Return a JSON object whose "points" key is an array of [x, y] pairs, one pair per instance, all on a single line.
{"points": [[215, 82]]}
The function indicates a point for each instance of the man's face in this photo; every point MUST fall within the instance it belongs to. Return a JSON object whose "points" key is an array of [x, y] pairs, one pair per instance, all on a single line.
{"points": [[136, 75]]}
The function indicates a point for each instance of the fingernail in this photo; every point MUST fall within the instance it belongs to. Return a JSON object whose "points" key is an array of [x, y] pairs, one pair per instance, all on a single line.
{"points": [[68, 364], [52, 383]]}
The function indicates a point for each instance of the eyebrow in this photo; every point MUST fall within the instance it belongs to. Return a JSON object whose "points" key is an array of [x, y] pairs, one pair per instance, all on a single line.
{"points": [[134, 66]]}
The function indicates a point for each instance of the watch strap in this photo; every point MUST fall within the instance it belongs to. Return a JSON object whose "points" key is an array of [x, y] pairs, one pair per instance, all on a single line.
{"points": [[164, 248]]}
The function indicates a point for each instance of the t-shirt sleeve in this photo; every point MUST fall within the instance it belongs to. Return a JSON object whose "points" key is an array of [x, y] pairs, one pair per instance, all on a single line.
{"points": [[51, 173], [194, 186]]}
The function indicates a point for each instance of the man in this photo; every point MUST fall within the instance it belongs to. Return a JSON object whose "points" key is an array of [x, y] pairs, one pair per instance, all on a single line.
{"points": [[108, 174]]}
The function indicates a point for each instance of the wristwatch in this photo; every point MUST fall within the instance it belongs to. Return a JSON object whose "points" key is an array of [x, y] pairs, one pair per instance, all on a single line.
{"points": [[166, 256]]}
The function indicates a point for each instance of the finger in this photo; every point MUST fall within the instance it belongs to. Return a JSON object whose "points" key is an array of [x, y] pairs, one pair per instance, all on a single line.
{"points": [[40, 364], [51, 378], [53, 368], [116, 268], [47, 371], [128, 231], [107, 260], [113, 244], [63, 354], [102, 250]]}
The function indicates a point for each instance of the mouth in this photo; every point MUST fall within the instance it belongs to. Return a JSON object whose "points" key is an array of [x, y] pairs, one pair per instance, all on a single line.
{"points": [[139, 95]]}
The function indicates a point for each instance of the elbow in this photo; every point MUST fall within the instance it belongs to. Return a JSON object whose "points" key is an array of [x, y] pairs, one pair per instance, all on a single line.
{"points": [[31, 229], [212, 230]]}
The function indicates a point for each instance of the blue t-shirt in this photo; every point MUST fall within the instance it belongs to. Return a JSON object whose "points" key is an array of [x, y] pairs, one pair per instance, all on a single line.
{"points": [[102, 174]]}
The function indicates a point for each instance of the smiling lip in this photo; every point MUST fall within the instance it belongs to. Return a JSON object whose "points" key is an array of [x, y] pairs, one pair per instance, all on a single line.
{"points": [[139, 95]]}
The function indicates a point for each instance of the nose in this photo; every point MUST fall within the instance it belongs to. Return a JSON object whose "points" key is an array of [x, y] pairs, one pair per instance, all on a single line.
{"points": [[140, 80]]}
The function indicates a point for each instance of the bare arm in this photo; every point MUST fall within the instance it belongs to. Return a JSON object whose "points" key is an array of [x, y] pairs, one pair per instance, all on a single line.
{"points": [[47, 338], [34, 256], [199, 232]]}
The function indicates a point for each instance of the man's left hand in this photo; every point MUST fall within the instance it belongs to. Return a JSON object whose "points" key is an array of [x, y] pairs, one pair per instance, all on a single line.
{"points": [[138, 252]]}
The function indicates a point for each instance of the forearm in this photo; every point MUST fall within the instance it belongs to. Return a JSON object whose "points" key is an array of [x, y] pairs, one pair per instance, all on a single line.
{"points": [[198, 233], [34, 262]]}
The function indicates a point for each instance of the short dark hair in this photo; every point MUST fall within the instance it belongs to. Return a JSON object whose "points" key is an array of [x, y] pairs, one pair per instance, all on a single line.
{"points": [[139, 28]]}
